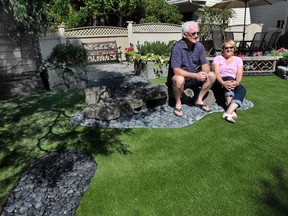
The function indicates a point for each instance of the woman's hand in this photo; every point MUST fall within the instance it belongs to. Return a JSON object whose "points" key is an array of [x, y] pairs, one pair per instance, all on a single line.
{"points": [[230, 85]]}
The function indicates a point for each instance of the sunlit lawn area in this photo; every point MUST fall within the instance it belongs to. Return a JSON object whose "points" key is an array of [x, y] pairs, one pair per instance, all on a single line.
{"points": [[208, 168]]}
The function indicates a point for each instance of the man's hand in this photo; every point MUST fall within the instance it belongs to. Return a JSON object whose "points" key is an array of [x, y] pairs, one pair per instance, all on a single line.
{"points": [[202, 76]]}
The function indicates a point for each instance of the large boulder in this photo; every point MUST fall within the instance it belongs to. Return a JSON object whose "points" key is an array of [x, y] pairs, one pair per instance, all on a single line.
{"points": [[112, 109], [114, 98], [282, 72]]}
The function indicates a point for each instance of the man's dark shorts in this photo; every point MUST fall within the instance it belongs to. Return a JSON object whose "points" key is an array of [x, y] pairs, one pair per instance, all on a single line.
{"points": [[192, 83], [189, 83]]}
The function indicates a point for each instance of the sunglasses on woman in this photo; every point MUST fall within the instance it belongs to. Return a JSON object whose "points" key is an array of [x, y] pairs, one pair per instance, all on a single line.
{"points": [[226, 48]]}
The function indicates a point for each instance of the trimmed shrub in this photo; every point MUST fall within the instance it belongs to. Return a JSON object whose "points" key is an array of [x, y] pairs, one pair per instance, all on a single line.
{"points": [[156, 48], [70, 54]]}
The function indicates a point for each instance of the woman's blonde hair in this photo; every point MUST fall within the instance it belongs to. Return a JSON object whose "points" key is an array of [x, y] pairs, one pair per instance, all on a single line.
{"points": [[230, 42]]}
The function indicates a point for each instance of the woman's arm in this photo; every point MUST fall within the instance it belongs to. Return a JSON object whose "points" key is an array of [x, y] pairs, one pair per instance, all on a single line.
{"points": [[216, 70], [239, 74]]}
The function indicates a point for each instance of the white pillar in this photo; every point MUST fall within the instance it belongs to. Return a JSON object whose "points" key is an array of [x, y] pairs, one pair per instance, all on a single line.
{"points": [[130, 33], [61, 31]]}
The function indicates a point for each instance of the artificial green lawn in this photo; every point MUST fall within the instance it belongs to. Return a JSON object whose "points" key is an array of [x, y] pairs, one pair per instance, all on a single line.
{"points": [[211, 167]]}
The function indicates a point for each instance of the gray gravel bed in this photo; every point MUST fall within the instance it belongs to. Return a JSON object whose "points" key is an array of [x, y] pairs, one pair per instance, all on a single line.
{"points": [[159, 117]]}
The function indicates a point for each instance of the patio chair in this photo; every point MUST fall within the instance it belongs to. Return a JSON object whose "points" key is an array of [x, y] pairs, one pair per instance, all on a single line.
{"points": [[256, 44], [271, 44], [217, 38]]}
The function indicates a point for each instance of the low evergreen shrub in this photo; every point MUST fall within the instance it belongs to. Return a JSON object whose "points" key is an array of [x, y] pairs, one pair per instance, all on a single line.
{"points": [[70, 54], [156, 48]]}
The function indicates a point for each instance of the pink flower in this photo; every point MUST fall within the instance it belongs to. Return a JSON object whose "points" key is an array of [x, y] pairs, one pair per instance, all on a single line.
{"points": [[281, 49], [129, 49], [241, 55], [257, 54]]}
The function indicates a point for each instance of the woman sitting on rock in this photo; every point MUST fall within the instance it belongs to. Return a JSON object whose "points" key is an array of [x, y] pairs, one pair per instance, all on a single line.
{"points": [[229, 71]]}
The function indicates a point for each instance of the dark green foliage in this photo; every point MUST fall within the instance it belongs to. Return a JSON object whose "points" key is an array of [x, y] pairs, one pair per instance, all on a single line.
{"points": [[168, 14], [38, 15], [157, 48], [27, 23], [89, 12], [213, 17], [76, 19], [284, 60], [71, 55]]}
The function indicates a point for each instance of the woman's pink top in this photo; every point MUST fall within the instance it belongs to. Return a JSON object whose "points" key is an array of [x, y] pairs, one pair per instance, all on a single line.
{"points": [[228, 69]]}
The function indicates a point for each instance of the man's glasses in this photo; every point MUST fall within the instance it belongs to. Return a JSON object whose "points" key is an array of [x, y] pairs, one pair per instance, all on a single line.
{"points": [[192, 33], [226, 48]]}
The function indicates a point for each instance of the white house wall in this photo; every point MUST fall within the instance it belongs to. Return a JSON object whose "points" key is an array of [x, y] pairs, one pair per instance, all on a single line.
{"points": [[268, 15]]}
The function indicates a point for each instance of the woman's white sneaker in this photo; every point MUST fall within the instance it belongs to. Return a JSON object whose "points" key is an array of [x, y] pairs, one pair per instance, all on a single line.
{"points": [[230, 117]]}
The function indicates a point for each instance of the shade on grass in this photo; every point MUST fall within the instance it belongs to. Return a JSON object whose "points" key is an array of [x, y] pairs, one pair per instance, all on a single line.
{"points": [[209, 168]]}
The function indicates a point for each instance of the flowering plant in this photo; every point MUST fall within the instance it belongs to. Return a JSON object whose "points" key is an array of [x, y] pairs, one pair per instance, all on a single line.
{"points": [[257, 54], [150, 57], [159, 61], [241, 55], [129, 51], [281, 52]]}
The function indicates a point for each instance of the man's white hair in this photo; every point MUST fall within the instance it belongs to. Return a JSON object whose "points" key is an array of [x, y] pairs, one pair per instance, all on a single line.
{"points": [[186, 26]]}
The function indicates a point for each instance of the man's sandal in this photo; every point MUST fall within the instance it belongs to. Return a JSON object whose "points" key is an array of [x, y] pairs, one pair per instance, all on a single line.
{"points": [[178, 112], [203, 107]]}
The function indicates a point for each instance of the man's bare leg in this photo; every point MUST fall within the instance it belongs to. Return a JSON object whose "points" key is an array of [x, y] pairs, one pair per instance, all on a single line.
{"points": [[178, 88], [205, 87]]}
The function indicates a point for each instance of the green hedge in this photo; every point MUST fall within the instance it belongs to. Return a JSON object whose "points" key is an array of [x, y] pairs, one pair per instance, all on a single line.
{"points": [[157, 48], [70, 54]]}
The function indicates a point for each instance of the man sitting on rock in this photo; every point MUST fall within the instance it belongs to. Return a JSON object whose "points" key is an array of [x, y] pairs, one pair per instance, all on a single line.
{"points": [[186, 55]]}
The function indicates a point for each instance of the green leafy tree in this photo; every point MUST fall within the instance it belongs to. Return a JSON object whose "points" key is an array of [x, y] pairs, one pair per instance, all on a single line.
{"points": [[57, 11], [28, 23], [98, 8], [123, 8], [209, 18], [31, 14], [77, 13], [167, 14]]}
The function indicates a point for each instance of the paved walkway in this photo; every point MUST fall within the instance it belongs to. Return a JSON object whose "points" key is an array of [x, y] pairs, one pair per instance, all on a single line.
{"points": [[108, 70]]}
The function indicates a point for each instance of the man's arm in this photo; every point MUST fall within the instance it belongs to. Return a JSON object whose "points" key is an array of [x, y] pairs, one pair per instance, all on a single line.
{"points": [[206, 68]]}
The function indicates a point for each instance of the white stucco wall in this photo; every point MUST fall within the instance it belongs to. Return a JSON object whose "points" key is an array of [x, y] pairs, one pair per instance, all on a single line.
{"points": [[268, 15]]}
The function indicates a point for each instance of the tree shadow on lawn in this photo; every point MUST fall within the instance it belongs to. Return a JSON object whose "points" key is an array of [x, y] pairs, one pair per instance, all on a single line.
{"points": [[35, 125], [274, 196]]}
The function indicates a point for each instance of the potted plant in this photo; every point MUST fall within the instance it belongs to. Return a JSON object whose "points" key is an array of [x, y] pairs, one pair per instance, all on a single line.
{"points": [[129, 53], [152, 59]]}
